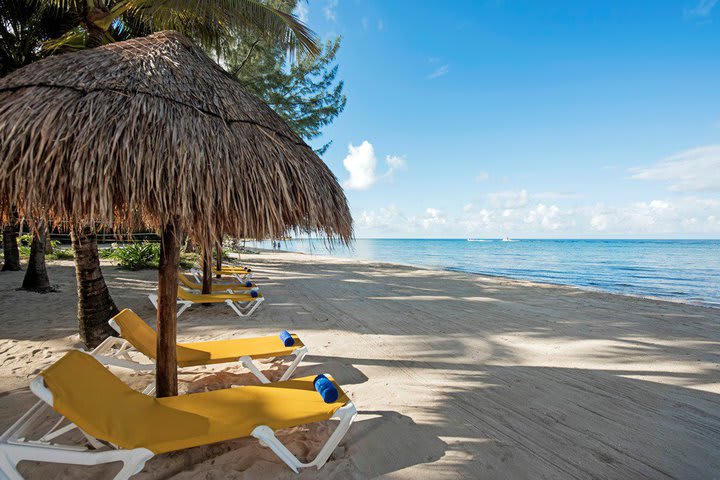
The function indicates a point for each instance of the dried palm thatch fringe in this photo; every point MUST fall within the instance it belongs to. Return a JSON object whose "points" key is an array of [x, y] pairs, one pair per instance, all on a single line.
{"points": [[151, 130]]}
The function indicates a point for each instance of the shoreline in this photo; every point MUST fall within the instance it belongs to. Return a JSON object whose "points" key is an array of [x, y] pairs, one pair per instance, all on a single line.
{"points": [[582, 288]]}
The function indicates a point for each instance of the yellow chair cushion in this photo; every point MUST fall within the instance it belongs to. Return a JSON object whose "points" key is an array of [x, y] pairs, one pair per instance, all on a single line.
{"points": [[136, 331], [231, 270], [184, 294], [216, 287], [98, 402]]}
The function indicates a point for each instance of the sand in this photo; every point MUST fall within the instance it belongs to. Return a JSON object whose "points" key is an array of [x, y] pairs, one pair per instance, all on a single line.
{"points": [[454, 375]]}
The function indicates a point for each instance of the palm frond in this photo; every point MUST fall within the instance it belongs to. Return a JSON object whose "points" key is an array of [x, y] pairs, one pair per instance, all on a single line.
{"points": [[211, 21]]}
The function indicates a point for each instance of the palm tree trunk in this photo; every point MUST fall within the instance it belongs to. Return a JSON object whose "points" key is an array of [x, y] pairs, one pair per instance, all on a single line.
{"points": [[10, 246], [207, 272], [48, 243], [36, 276], [95, 305], [166, 345], [218, 259]]}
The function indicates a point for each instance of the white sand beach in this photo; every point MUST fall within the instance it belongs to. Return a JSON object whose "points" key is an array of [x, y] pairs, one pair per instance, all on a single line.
{"points": [[454, 375]]}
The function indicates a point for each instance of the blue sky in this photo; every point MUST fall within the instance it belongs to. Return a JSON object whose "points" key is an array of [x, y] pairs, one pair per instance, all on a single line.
{"points": [[555, 119]]}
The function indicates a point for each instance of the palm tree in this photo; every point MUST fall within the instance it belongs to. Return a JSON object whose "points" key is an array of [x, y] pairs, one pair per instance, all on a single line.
{"points": [[36, 277], [212, 24]]}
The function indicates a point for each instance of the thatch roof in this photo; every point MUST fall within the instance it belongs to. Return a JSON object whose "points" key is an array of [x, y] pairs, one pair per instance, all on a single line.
{"points": [[144, 131]]}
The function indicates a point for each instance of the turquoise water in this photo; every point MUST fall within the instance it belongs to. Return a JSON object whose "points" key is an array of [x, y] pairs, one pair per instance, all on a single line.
{"points": [[685, 270]]}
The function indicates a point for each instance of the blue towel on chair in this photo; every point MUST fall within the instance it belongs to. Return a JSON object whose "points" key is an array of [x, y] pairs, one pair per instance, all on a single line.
{"points": [[326, 389], [287, 339], [248, 284]]}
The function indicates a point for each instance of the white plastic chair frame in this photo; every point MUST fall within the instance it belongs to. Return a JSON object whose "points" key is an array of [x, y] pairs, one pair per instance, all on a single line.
{"points": [[243, 309], [15, 447]]}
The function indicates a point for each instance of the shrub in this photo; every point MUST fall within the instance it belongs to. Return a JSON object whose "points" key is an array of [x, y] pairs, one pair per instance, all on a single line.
{"points": [[61, 253], [188, 260], [24, 242], [136, 256]]}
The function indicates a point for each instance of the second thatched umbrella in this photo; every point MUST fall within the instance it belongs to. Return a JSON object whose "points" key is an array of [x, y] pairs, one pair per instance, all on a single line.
{"points": [[151, 132]]}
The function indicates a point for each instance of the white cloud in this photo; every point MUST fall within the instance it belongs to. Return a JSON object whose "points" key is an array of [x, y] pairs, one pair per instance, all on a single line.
{"points": [[361, 163], [433, 217], [482, 176], [702, 9], [599, 222], [547, 217], [396, 162], [512, 200], [383, 218], [695, 170], [688, 216], [302, 12], [439, 72], [330, 10]]}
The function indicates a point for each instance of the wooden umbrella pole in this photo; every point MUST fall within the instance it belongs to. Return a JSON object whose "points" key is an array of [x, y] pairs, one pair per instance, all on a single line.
{"points": [[207, 271], [166, 370], [218, 254]]}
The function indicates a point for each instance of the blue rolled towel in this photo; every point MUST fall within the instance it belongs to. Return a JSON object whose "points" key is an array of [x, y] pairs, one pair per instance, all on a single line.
{"points": [[248, 284], [326, 389], [253, 293], [287, 339], [248, 269]]}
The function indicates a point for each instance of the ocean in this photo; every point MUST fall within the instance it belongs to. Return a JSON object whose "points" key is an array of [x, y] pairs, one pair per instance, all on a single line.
{"points": [[680, 270]]}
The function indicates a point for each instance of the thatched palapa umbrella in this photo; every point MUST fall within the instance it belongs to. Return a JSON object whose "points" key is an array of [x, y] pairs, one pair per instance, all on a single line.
{"points": [[151, 132]]}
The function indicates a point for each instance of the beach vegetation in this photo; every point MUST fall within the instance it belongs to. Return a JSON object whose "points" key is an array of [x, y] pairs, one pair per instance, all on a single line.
{"points": [[138, 256], [306, 93], [142, 255]]}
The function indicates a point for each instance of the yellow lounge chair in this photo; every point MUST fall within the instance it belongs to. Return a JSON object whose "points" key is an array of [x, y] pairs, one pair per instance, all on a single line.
{"points": [[240, 273], [123, 425], [234, 287], [230, 279], [138, 336], [244, 304]]}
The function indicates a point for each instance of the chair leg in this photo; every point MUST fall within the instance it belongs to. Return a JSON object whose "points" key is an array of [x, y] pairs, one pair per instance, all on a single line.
{"points": [[150, 389], [232, 305], [8, 466], [248, 363], [132, 465], [10, 455], [265, 434], [153, 299], [253, 306], [184, 305], [299, 355]]}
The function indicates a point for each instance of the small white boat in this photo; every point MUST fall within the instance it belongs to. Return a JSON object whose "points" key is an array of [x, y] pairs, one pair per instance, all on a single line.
{"points": [[476, 240], [508, 239]]}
